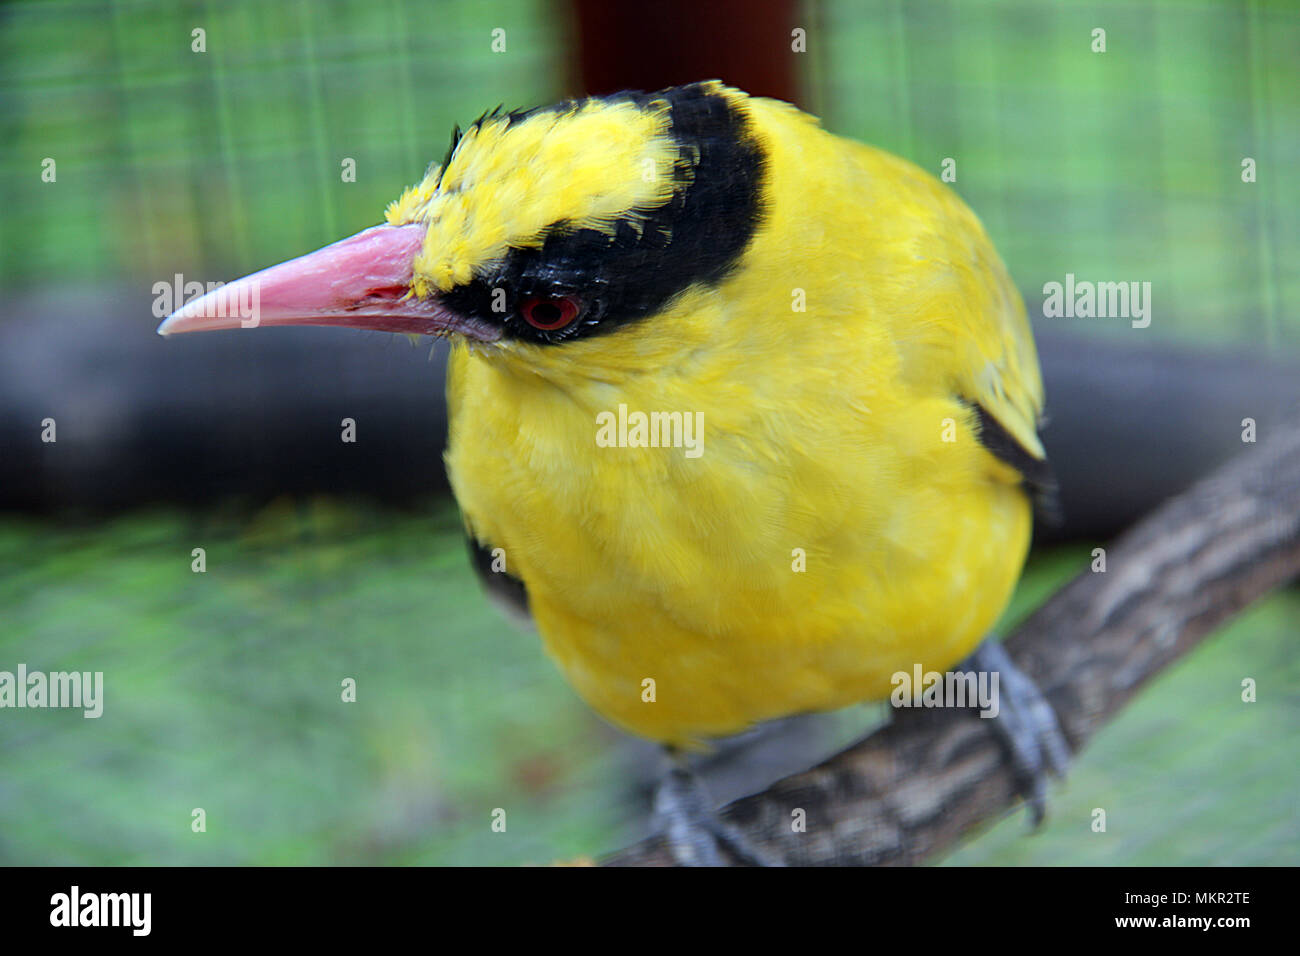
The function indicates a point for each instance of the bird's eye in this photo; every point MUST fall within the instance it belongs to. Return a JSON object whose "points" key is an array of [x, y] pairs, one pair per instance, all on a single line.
{"points": [[549, 313]]}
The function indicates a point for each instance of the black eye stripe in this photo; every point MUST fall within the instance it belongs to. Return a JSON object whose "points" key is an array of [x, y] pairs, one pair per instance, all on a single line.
{"points": [[697, 236]]}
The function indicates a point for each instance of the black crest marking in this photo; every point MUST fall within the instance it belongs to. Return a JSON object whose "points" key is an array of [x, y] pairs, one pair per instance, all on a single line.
{"points": [[457, 134], [654, 253]]}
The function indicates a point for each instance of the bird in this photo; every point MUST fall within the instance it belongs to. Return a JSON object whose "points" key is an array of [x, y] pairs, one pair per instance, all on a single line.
{"points": [[743, 415]]}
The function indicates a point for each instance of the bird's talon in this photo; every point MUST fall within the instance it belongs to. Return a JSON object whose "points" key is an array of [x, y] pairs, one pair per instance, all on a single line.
{"points": [[1027, 726], [695, 833]]}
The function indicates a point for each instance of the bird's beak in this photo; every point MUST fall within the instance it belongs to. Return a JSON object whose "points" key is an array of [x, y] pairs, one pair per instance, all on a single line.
{"points": [[362, 282]]}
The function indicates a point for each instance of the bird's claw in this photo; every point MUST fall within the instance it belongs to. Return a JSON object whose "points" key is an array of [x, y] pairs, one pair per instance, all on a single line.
{"points": [[695, 833], [1027, 726]]}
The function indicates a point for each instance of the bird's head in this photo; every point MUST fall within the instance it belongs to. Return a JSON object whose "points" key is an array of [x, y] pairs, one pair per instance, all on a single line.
{"points": [[540, 230]]}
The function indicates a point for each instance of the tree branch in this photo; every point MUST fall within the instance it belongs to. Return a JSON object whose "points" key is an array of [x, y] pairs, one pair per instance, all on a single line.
{"points": [[910, 791]]}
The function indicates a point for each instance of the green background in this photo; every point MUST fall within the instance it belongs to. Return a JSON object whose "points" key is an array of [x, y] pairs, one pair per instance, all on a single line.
{"points": [[223, 688]]}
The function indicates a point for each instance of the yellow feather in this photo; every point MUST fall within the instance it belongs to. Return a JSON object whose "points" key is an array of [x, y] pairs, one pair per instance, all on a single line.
{"points": [[497, 192], [823, 430]]}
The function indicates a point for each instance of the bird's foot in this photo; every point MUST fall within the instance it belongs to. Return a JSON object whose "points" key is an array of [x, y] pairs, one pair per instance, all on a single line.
{"points": [[1027, 726], [689, 822]]}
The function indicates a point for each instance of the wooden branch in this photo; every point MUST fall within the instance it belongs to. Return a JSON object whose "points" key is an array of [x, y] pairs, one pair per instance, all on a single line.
{"points": [[910, 791]]}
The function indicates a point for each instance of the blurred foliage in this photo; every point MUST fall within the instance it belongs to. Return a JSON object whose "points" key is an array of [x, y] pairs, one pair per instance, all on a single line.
{"points": [[223, 688], [223, 691]]}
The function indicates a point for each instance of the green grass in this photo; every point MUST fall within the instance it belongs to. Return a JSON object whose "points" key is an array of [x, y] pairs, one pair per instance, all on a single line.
{"points": [[223, 691]]}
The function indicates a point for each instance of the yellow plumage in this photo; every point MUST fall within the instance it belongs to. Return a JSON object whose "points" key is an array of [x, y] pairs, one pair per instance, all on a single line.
{"points": [[824, 429], [504, 186]]}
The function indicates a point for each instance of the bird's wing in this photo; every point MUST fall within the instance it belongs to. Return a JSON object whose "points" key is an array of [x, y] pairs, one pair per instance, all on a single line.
{"points": [[1005, 380], [962, 328], [1002, 382]]}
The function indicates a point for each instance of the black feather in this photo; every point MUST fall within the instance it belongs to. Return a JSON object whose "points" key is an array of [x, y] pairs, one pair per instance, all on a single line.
{"points": [[1035, 473], [500, 585], [695, 237], [456, 135]]}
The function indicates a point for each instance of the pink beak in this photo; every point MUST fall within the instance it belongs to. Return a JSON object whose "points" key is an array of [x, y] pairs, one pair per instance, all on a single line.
{"points": [[361, 282]]}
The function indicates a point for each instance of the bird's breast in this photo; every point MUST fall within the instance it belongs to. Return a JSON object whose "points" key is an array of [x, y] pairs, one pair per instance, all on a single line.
{"points": [[805, 536]]}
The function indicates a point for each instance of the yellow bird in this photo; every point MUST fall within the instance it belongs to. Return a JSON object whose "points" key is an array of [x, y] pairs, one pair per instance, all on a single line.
{"points": [[742, 413]]}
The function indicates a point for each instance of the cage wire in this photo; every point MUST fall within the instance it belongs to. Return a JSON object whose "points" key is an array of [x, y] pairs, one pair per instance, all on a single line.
{"points": [[1123, 165]]}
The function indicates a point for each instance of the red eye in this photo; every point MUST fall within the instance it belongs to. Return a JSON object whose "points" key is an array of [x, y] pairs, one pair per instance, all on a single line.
{"points": [[549, 314]]}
